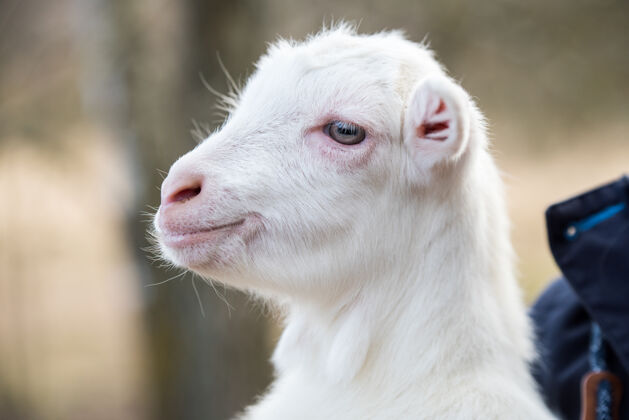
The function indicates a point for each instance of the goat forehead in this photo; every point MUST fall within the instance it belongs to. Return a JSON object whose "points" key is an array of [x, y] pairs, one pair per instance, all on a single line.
{"points": [[304, 86], [360, 78]]}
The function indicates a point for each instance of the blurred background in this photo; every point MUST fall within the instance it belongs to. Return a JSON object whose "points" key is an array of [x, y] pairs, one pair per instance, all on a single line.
{"points": [[97, 99]]}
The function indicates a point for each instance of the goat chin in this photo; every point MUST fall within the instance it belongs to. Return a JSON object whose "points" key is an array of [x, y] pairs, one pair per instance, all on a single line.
{"points": [[352, 184]]}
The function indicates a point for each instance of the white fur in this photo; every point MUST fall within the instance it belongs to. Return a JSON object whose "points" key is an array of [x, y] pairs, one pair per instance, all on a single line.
{"points": [[391, 258]]}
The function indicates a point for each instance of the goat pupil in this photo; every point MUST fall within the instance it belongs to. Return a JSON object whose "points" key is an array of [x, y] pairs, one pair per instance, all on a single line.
{"points": [[347, 130]]}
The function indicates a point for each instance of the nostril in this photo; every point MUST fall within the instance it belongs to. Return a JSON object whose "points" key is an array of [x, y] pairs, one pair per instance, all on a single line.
{"points": [[184, 194], [183, 183]]}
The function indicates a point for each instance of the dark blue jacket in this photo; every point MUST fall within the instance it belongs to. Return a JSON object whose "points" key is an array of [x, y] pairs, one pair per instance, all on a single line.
{"points": [[589, 239]]}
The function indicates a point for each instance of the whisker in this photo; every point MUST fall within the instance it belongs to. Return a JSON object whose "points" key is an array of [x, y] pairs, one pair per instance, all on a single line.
{"points": [[165, 281], [196, 292], [161, 173], [233, 85], [222, 297], [218, 294], [225, 102], [200, 131]]}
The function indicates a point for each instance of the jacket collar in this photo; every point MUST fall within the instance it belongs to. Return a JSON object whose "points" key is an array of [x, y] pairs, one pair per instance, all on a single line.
{"points": [[589, 238]]}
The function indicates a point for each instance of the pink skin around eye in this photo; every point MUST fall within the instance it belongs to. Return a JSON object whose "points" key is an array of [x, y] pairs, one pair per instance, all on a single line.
{"points": [[345, 156]]}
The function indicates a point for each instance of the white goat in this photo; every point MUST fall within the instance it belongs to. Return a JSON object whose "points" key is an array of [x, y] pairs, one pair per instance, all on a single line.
{"points": [[352, 185]]}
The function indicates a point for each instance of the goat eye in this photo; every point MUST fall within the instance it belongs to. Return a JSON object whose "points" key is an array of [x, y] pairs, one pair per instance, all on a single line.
{"points": [[344, 132]]}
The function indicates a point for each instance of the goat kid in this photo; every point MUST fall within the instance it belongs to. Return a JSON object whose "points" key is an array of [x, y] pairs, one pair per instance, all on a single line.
{"points": [[352, 185]]}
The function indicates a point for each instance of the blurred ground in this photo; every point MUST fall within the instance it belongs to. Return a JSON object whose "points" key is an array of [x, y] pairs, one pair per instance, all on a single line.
{"points": [[70, 311]]}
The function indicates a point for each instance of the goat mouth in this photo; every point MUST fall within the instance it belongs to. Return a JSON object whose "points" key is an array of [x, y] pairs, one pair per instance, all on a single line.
{"points": [[187, 238]]}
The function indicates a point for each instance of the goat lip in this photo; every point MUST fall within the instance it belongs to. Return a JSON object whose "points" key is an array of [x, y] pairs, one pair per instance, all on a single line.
{"points": [[190, 237]]}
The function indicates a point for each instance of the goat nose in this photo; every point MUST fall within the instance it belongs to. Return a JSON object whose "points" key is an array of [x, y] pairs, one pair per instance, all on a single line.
{"points": [[180, 187]]}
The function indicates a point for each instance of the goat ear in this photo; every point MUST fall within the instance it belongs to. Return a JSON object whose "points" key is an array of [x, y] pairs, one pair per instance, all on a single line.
{"points": [[436, 124]]}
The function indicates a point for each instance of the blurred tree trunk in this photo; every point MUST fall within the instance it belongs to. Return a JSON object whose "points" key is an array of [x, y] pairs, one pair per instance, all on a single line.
{"points": [[143, 81]]}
